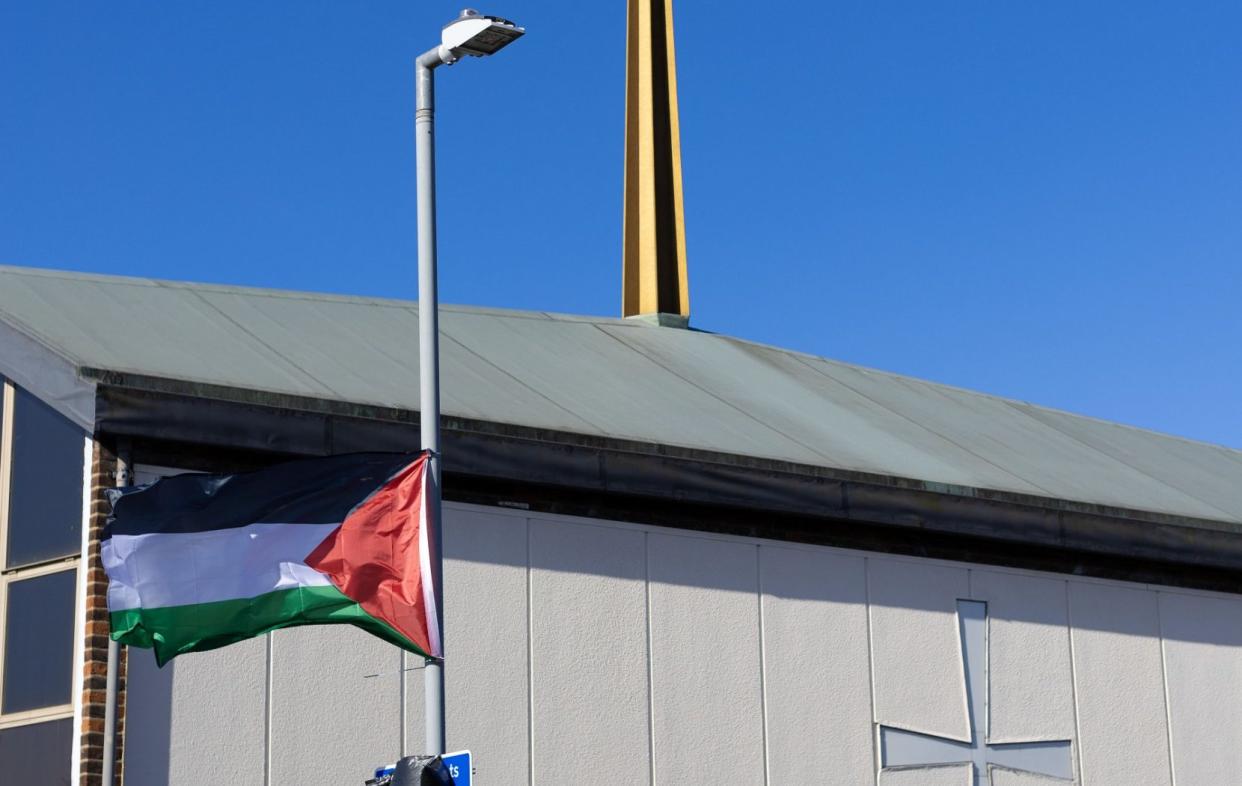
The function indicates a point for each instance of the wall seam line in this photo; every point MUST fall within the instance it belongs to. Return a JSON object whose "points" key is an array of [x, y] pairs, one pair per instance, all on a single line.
{"points": [[267, 714], [402, 721], [763, 667], [1164, 678], [1069, 622], [530, 664], [875, 723], [650, 661]]}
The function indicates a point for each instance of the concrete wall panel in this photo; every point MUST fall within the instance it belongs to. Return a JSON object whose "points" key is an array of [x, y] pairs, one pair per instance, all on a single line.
{"points": [[589, 624], [1119, 685], [708, 717], [916, 647], [1031, 693], [221, 739], [487, 667], [818, 698], [724, 656], [1203, 667], [335, 704]]}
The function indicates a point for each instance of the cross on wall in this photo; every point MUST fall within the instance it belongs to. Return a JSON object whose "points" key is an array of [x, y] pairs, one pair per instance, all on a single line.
{"points": [[902, 749]]}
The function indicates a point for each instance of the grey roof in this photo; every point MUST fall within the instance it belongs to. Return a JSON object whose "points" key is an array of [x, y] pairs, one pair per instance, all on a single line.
{"points": [[617, 379]]}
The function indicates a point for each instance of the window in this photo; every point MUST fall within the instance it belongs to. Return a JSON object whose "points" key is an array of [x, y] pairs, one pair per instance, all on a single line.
{"points": [[45, 484], [37, 752], [42, 457], [38, 641]]}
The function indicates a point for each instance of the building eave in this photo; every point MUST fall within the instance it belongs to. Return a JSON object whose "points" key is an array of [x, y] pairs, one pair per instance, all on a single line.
{"points": [[48, 374], [589, 474]]}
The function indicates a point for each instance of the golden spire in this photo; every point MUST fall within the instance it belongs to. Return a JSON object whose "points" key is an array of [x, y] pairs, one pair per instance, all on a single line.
{"points": [[655, 231]]}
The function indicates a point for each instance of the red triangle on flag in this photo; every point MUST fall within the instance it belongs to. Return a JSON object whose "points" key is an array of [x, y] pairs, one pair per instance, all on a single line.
{"points": [[379, 557]]}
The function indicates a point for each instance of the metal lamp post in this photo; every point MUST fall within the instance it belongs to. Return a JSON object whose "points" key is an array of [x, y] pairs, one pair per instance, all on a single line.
{"points": [[470, 34]]}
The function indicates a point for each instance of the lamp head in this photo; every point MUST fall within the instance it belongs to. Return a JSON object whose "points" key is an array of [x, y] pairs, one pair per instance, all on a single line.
{"points": [[475, 34]]}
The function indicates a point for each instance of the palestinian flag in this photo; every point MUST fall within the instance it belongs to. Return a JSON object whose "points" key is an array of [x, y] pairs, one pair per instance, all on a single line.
{"points": [[196, 562]]}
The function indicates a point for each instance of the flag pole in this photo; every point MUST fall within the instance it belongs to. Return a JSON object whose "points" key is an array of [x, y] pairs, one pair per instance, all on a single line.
{"points": [[114, 657], [429, 373]]}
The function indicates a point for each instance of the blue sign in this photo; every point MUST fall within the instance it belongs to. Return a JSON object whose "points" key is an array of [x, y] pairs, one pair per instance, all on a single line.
{"points": [[460, 766]]}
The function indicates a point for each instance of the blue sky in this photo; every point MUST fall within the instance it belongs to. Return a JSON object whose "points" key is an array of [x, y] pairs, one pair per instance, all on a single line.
{"points": [[1038, 200]]}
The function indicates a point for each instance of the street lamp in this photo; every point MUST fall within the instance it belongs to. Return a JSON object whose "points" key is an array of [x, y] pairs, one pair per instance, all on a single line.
{"points": [[474, 34]]}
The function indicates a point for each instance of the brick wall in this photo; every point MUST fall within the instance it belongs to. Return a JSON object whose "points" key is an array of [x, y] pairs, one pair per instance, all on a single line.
{"points": [[95, 667]]}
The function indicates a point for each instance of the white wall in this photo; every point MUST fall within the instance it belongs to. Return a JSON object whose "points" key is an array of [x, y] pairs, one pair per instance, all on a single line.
{"points": [[591, 652]]}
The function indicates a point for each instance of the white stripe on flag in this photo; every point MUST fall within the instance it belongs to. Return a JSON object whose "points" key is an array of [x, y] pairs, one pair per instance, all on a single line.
{"points": [[424, 567], [158, 570]]}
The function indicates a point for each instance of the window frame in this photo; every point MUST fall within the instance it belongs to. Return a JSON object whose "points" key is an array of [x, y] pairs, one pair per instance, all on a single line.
{"points": [[8, 576]]}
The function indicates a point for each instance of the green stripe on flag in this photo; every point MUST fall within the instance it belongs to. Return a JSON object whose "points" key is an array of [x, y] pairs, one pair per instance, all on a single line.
{"points": [[174, 630]]}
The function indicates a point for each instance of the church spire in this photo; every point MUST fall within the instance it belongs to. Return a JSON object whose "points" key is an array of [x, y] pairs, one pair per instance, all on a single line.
{"points": [[654, 255]]}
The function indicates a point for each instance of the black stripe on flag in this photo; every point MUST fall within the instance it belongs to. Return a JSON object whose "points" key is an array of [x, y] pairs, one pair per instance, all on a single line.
{"points": [[309, 491]]}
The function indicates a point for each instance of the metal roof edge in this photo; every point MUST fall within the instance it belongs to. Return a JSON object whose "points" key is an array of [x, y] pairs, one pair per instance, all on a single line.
{"points": [[48, 373]]}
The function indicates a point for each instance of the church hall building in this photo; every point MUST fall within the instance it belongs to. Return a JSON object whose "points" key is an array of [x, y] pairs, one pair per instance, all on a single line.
{"points": [[671, 557]]}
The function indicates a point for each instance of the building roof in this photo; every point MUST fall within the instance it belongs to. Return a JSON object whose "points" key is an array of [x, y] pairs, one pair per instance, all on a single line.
{"points": [[614, 379]]}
